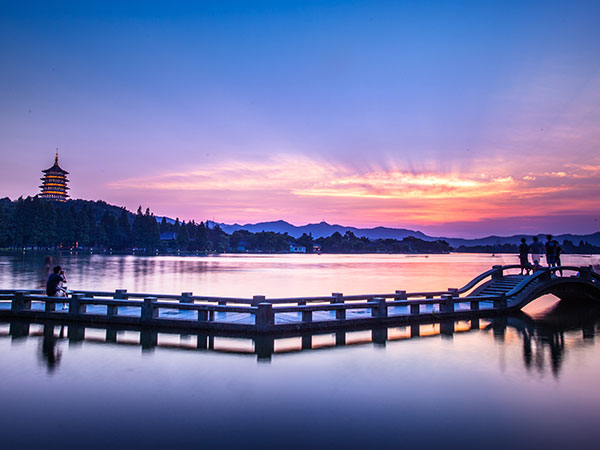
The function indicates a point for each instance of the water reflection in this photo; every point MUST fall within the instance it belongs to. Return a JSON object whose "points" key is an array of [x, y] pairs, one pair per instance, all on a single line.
{"points": [[545, 335], [50, 351], [270, 275], [543, 338]]}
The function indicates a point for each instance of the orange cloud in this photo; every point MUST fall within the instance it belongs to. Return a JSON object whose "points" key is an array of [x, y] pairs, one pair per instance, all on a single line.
{"points": [[303, 189]]}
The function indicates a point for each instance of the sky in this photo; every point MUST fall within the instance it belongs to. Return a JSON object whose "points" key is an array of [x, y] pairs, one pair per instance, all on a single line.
{"points": [[454, 118]]}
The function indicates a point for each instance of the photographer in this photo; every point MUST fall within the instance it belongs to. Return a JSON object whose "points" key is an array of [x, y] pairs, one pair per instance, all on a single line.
{"points": [[53, 285]]}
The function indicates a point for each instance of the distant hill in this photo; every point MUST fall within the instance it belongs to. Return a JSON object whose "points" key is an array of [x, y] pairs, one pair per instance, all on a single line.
{"points": [[317, 230], [593, 239], [323, 229]]}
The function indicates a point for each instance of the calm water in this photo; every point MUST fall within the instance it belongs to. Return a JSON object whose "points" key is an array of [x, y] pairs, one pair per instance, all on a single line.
{"points": [[526, 381]]}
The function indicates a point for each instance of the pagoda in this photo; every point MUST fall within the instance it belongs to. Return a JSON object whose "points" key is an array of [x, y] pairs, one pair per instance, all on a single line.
{"points": [[54, 183]]}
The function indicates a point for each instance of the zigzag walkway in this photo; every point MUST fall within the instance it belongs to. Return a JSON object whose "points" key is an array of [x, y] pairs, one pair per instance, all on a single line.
{"points": [[493, 292]]}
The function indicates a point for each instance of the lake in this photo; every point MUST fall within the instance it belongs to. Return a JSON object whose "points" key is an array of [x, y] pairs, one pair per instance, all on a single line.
{"points": [[522, 381]]}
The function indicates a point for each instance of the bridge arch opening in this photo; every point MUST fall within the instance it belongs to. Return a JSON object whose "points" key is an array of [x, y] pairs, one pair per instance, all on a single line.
{"points": [[541, 305]]}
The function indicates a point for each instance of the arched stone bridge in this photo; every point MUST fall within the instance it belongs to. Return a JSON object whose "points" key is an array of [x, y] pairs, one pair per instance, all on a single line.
{"points": [[565, 282]]}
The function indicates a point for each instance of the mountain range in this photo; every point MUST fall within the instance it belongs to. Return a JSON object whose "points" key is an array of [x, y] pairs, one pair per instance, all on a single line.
{"points": [[323, 229]]}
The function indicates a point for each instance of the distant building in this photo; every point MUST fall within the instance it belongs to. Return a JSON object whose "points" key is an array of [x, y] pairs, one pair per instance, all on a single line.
{"points": [[297, 249], [54, 183]]}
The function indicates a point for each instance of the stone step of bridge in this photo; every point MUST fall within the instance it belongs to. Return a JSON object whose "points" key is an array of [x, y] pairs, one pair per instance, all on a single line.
{"points": [[503, 285]]}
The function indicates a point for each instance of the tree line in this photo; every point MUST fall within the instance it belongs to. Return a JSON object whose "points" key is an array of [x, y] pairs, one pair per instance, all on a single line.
{"points": [[35, 223]]}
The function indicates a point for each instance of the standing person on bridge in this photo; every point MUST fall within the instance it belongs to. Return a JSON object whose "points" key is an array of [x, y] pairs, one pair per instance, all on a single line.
{"points": [[559, 251], [536, 253], [524, 257], [551, 246]]}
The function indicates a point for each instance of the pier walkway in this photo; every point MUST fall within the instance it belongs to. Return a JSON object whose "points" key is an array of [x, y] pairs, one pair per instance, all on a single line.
{"points": [[494, 292]]}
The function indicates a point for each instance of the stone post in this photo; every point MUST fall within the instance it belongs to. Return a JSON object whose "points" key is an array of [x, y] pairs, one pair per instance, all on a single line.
{"points": [[264, 346], [401, 295], [202, 341], [50, 305], [18, 329], [20, 302], [112, 310], [379, 335], [306, 341], [264, 316], [380, 310], [301, 303], [202, 315], [447, 328], [340, 314], [498, 274], [415, 330], [307, 316], [75, 306], [586, 273], [501, 303], [499, 328], [111, 334], [186, 297], [222, 314], [447, 304], [257, 299], [149, 312], [148, 339], [76, 334]]}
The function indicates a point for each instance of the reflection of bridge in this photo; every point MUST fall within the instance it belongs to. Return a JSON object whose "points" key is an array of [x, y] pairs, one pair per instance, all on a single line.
{"points": [[547, 333], [493, 292]]}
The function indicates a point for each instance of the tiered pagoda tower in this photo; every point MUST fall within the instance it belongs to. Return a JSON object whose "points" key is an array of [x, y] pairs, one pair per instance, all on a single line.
{"points": [[54, 183]]}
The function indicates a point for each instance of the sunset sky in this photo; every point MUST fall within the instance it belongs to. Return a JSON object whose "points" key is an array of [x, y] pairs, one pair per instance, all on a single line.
{"points": [[454, 118]]}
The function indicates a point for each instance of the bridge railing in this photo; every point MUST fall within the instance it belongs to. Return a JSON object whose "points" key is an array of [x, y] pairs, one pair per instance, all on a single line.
{"points": [[188, 297], [546, 273], [264, 313], [262, 316], [146, 310], [495, 272]]}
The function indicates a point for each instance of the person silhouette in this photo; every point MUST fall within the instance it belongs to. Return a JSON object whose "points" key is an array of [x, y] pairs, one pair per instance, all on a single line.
{"points": [[559, 251], [53, 285], [551, 245], [524, 257], [536, 253]]}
